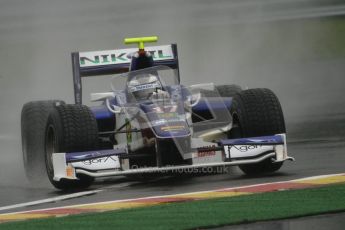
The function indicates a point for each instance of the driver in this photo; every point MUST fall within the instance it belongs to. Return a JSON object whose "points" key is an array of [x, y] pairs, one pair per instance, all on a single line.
{"points": [[146, 86]]}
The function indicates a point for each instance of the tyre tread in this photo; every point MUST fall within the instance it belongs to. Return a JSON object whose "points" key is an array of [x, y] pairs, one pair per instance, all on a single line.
{"points": [[260, 114]]}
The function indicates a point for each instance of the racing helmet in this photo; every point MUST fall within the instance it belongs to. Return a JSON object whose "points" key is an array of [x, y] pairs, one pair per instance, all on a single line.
{"points": [[143, 86]]}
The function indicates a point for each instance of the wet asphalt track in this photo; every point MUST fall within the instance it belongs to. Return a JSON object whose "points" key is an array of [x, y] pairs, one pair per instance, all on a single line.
{"points": [[311, 91]]}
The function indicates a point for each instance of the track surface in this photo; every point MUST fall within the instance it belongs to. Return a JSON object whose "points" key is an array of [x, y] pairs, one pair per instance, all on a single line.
{"points": [[311, 91]]}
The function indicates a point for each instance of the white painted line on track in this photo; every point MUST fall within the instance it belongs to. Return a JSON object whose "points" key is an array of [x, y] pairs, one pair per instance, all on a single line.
{"points": [[318, 177], [64, 197], [172, 195], [122, 185], [49, 200]]}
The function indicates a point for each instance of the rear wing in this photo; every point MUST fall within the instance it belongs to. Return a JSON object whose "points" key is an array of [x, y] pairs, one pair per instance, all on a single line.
{"points": [[86, 64]]}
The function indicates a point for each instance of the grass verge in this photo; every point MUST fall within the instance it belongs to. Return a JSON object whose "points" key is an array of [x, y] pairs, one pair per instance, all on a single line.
{"points": [[213, 212]]}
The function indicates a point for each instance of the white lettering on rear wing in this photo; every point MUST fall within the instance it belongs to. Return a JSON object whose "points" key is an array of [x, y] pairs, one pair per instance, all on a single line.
{"points": [[121, 56]]}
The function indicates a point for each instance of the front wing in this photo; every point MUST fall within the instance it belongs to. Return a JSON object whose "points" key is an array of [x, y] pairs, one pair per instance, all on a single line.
{"points": [[228, 152]]}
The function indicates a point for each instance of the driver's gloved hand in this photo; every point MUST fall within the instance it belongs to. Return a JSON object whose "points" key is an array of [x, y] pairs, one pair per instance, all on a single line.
{"points": [[160, 94], [163, 94]]}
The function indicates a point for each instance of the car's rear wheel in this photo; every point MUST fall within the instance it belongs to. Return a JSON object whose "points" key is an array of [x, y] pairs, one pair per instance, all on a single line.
{"points": [[34, 118], [228, 90], [257, 112], [70, 128], [222, 91]]}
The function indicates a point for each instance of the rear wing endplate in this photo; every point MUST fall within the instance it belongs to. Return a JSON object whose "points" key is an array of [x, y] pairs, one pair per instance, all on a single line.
{"points": [[86, 64]]}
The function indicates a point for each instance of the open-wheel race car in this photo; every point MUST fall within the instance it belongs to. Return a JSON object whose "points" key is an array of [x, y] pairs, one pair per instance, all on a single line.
{"points": [[149, 122]]}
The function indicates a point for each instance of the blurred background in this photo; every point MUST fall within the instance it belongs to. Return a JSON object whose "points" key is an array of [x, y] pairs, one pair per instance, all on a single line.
{"points": [[294, 47]]}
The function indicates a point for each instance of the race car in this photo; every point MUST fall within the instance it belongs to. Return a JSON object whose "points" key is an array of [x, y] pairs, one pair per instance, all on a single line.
{"points": [[148, 122]]}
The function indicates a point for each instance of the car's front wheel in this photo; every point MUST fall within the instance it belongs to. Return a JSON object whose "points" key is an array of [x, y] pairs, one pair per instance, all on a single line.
{"points": [[257, 112], [34, 118], [70, 128]]}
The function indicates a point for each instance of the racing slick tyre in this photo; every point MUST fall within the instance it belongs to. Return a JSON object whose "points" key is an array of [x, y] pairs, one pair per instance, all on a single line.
{"points": [[257, 112], [228, 90], [70, 128], [34, 118]]}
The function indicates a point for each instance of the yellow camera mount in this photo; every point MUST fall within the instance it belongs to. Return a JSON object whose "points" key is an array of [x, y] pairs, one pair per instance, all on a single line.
{"points": [[140, 41]]}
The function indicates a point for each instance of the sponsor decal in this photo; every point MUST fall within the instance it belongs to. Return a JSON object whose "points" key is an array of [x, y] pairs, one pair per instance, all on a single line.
{"points": [[70, 171], [206, 151], [99, 160], [235, 151], [158, 122], [167, 115], [244, 148], [142, 87], [167, 121], [172, 128], [121, 56], [101, 163]]}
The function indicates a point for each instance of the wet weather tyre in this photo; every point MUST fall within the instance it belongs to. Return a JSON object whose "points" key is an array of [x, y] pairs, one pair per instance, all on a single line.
{"points": [[228, 90], [221, 90], [257, 112], [34, 118], [70, 128]]}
